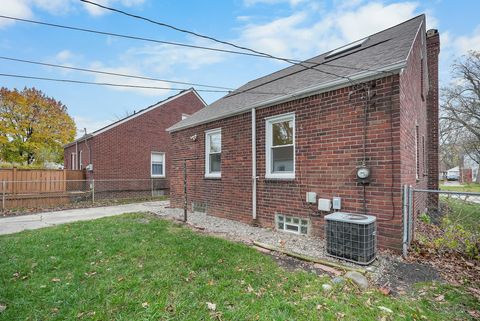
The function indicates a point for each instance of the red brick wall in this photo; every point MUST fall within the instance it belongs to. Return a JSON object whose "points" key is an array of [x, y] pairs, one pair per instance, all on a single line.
{"points": [[433, 50], [329, 146], [123, 152], [414, 113]]}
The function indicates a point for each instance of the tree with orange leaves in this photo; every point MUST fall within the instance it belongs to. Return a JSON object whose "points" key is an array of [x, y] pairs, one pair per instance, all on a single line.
{"points": [[33, 127]]}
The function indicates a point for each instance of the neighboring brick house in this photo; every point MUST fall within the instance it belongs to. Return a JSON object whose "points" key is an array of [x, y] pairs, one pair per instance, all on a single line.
{"points": [[135, 147], [370, 104]]}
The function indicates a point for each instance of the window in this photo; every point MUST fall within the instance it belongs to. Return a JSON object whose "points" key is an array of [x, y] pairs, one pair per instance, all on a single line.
{"points": [[280, 147], [158, 164], [292, 224], [213, 153], [73, 161], [80, 159]]}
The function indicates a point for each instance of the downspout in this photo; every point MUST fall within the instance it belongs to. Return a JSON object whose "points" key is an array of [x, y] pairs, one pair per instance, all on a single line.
{"points": [[254, 167], [76, 156]]}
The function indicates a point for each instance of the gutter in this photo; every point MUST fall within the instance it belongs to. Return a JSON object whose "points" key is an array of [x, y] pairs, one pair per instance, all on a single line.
{"points": [[324, 87]]}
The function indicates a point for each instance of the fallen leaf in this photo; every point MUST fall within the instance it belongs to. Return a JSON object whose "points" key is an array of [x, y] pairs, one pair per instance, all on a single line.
{"points": [[327, 269], [56, 280], [3, 307], [385, 309], [440, 298], [145, 305], [474, 313], [211, 306], [385, 290]]}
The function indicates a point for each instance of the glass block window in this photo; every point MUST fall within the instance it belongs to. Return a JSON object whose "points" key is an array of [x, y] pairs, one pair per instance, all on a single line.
{"points": [[292, 224], [157, 164]]}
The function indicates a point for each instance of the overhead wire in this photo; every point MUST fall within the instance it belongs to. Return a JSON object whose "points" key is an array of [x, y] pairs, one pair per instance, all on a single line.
{"points": [[102, 83], [111, 73], [223, 42], [106, 33]]}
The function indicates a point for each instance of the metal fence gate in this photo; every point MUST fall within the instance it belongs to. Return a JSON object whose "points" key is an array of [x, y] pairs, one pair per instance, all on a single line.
{"points": [[462, 208]]}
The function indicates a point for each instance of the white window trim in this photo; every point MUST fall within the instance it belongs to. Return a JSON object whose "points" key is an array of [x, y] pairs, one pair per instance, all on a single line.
{"points": [[269, 121], [80, 159], [73, 160], [208, 174], [163, 164]]}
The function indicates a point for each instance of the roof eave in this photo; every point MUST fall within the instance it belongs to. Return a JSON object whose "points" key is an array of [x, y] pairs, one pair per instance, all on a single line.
{"points": [[324, 87]]}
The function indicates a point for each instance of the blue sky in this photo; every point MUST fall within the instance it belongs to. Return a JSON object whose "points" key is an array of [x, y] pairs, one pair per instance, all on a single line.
{"points": [[290, 28]]}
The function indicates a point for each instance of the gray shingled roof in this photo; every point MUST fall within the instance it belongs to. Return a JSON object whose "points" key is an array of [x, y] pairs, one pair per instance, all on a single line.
{"points": [[385, 48]]}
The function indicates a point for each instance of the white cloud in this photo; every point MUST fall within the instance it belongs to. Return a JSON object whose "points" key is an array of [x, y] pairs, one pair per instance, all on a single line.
{"points": [[373, 17], [466, 43], [90, 124], [250, 3], [97, 11], [130, 70], [14, 8], [25, 8], [166, 59], [307, 32]]}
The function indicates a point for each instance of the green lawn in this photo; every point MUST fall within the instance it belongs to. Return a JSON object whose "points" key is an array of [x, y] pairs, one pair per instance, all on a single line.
{"points": [[138, 267], [472, 187], [464, 213]]}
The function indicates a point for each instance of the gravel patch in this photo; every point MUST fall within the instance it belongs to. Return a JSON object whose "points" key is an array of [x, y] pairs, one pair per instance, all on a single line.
{"points": [[241, 232]]}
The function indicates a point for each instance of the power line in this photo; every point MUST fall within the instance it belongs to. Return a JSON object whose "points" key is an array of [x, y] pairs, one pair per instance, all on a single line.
{"points": [[107, 33], [110, 73], [162, 24], [104, 83], [261, 55], [126, 85]]}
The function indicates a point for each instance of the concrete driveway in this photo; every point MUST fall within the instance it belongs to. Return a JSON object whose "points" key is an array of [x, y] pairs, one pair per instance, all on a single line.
{"points": [[10, 225]]}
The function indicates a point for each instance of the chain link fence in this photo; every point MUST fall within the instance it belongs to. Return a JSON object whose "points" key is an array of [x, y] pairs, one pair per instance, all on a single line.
{"points": [[23, 197], [444, 220]]}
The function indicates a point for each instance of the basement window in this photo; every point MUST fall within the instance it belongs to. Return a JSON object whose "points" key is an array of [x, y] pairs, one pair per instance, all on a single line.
{"points": [[292, 224], [280, 147], [213, 153]]}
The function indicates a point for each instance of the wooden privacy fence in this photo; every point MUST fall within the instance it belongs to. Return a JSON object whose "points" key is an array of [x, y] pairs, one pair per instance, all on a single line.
{"points": [[37, 187]]}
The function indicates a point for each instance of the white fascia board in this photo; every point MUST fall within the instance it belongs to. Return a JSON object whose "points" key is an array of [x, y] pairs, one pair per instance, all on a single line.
{"points": [[394, 68], [146, 110]]}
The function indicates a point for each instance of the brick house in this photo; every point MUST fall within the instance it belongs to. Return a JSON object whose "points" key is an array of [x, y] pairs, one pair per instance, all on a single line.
{"points": [[372, 105], [135, 147]]}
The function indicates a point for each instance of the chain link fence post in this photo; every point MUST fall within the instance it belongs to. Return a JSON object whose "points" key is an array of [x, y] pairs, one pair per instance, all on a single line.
{"points": [[151, 186], [4, 188], [93, 191]]}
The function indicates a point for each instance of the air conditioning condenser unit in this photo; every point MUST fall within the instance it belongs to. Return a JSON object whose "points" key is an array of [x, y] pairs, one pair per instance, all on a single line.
{"points": [[351, 237]]}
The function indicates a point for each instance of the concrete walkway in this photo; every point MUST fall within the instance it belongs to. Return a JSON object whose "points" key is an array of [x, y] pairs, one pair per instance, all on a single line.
{"points": [[10, 225]]}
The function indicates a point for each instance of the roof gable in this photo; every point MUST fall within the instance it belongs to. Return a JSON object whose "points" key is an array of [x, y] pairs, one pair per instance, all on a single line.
{"points": [[136, 114], [385, 51]]}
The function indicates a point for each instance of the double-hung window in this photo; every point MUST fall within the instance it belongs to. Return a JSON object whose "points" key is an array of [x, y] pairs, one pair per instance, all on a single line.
{"points": [[213, 153], [157, 161], [280, 146]]}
